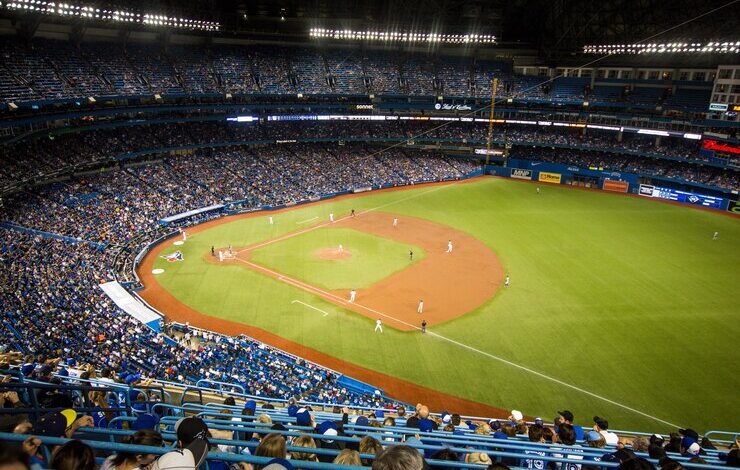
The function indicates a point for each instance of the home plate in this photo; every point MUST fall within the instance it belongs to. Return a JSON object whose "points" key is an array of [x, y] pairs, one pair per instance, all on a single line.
{"points": [[157, 271], [179, 242]]}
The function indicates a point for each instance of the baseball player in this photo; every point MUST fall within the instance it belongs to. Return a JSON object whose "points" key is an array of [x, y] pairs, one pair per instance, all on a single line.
{"points": [[423, 326], [352, 295], [184, 235], [213, 251], [449, 246], [538, 189], [231, 251], [506, 281], [270, 220], [420, 308], [220, 255], [352, 213], [341, 248], [715, 236], [378, 325], [395, 221], [411, 255], [331, 217]]}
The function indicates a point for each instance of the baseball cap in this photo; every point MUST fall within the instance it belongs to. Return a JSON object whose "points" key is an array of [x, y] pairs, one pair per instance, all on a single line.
{"points": [[517, 415], [601, 422], [191, 456], [190, 429], [327, 428], [379, 414], [303, 417], [250, 405], [362, 421], [54, 424], [539, 422], [593, 436], [567, 415]]}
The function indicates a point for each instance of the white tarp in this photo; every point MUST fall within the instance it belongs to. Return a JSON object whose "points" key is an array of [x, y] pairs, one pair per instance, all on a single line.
{"points": [[193, 212], [131, 305]]}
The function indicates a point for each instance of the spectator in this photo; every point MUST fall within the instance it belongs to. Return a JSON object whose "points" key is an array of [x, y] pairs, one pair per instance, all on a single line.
{"points": [[74, 455]]}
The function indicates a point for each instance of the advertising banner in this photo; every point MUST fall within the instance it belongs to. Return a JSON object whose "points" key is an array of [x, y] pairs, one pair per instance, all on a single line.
{"points": [[618, 186], [681, 196], [734, 207], [521, 174], [546, 177]]}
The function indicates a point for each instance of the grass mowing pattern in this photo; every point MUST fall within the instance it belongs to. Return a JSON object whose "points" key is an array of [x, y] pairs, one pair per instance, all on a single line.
{"points": [[373, 258], [625, 297]]}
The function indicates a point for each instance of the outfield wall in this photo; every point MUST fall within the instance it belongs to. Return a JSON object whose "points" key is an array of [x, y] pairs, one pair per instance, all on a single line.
{"points": [[613, 181]]}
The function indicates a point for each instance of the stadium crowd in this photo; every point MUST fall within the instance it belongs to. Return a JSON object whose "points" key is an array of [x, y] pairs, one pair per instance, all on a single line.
{"points": [[45, 69], [29, 159]]}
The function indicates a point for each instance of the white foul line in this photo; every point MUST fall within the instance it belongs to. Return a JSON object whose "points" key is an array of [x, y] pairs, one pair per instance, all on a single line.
{"points": [[314, 227], [307, 220], [310, 306], [315, 290]]}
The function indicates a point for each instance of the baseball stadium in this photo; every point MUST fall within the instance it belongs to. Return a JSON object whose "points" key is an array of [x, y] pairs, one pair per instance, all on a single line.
{"points": [[456, 234]]}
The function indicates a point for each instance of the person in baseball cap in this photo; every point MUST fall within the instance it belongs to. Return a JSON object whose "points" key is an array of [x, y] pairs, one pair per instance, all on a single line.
{"points": [[566, 416], [192, 446]]}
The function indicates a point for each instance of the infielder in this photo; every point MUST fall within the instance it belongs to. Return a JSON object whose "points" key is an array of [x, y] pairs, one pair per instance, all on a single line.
{"points": [[411, 255], [715, 236], [341, 248], [270, 220], [378, 325], [506, 281], [449, 246], [220, 255], [213, 251], [331, 217], [395, 221], [352, 295], [420, 308], [423, 326], [184, 235], [353, 213]]}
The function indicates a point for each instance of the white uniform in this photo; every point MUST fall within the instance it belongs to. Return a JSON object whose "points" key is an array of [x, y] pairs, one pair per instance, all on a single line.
{"points": [[449, 246], [378, 325], [184, 235], [352, 295], [506, 281], [420, 309], [715, 236], [538, 189], [395, 221], [341, 248], [331, 217], [270, 220], [220, 255]]}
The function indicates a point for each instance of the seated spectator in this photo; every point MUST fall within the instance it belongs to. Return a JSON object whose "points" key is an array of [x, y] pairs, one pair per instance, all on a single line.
{"points": [[74, 455], [399, 457], [306, 441], [348, 457], [131, 461]]}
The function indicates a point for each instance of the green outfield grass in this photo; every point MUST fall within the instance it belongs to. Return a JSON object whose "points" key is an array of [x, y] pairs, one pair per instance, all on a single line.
{"points": [[626, 299], [372, 258]]}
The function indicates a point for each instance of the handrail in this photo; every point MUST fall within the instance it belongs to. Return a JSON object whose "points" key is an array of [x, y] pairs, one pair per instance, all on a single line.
{"points": [[220, 384]]}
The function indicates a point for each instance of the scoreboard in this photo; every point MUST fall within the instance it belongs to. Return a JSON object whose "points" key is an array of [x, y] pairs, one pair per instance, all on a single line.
{"points": [[681, 196]]}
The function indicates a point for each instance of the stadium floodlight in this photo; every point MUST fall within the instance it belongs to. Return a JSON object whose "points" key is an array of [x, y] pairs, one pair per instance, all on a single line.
{"points": [[85, 11], [716, 47], [402, 36]]}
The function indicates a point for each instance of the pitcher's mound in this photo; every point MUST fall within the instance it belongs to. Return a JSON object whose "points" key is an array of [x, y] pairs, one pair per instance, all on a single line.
{"points": [[332, 253]]}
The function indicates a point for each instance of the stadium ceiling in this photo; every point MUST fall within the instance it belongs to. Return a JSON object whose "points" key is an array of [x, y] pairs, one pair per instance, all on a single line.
{"points": [[558, 29]]}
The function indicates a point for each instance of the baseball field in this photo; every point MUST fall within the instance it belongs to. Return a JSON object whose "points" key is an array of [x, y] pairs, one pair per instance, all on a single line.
{"points": [[618, 306]]}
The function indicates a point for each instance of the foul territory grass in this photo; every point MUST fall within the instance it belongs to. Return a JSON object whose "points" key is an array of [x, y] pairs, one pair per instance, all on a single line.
{"points": [[624, 301], [371, 258]]}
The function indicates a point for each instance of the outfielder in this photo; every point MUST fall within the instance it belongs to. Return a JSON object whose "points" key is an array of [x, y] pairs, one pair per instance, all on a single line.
{"points": [[331, 217], [270, 220], [449, 246], [538, 189], [420, 308], [506, 281], [378, 325], [715, 236], [352, 295]]}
